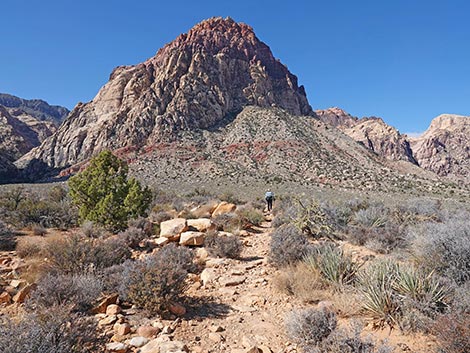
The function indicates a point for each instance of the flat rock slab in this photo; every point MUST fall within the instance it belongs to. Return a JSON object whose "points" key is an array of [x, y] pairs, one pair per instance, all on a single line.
{"points": [[232, 281]]}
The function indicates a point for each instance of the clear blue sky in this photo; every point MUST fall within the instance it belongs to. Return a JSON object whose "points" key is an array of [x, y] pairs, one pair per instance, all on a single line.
{"points": [[404, 60]]}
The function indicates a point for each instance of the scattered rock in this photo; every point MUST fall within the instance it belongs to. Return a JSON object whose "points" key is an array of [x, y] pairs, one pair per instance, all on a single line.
{"points": [[23, 293], [122, 329], [177, 309], [173, 228], [101, 307], [232, 281], [161, 241], [117, 347], [113, 309], [138, 341], [208, 275], [148, 331], [223, 207], [5, 298], [107, 321], [216, 337], [201, 224], [192, 238]]}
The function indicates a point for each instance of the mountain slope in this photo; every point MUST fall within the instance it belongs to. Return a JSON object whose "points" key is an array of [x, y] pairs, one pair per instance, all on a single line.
{"points": [[35, 108], [372, 132], [445, 147], [196, 81]]}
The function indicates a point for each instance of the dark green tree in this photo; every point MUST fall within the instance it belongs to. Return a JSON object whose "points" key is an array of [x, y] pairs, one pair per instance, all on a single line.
{"points": [[105, 195]]}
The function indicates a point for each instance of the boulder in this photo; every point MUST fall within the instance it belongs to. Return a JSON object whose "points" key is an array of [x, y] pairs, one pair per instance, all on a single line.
{"points": [[160, 346], [173, 228], [204, 211], [208, 275], [5, 298], [116, 347], [223, 207], [23, 293], [113, 309], [138, 341], [148, 331], [122, 329], [161, 241], [201, 224], [192, 238]]}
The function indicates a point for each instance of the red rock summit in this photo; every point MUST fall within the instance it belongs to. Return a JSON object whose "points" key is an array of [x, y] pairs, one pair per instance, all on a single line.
{"points": [[195, 82]]}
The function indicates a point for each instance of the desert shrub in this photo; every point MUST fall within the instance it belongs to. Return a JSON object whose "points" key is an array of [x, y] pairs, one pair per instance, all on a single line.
{"points": [[284, 212], [423, 209], [351, 340], [453, 333], [226, 222], [223, 246], [335, 266], [230, 197], [301, 282], [309, 327], [248, 215], [444, 247], [104, 195], [158, 280], [338, 216], [132, 237], [38, 229], [380, 239], [92, 230], [78, 291], [312, 221], [141, 223], [288, 246], [7, 239], [54, 330], [160, 216], [77, 254]]}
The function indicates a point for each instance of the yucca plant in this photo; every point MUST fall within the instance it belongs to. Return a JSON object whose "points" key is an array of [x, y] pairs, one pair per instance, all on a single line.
{"points": [[421, 288], [334, 265], [380, 299]]}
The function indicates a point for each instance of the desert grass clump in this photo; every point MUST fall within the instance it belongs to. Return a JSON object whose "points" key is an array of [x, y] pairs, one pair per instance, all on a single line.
{"points": [[79, 291], [54, 330], [29, 248], [374, 216], [302, 282], [335, 266], [310, 327], [288, 246], [92, 230], [38, 230], [157, 281], [248, 216], [223, 246]]}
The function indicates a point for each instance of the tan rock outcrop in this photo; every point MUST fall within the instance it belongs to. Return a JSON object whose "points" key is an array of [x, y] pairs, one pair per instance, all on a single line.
{"points": [[172, 228], [224, 207], [192, 238], [201, 224]]}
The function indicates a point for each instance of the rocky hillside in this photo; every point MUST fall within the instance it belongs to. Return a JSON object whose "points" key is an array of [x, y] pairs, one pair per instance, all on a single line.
{"points": [[197, 81], [444, 148], [372, 132], [34, 108]]}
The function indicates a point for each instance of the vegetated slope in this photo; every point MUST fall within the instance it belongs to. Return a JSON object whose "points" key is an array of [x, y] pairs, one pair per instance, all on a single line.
{"points": [[271, 146], [194, 82], [445, 147], [35, 108], [372, 132]]}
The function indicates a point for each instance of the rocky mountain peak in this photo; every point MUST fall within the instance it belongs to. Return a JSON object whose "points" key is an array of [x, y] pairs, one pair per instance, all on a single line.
{"points": [[197, 81]]}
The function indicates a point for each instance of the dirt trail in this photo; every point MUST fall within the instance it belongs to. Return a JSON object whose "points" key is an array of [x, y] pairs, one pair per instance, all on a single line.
{"points": [[242, 310]]}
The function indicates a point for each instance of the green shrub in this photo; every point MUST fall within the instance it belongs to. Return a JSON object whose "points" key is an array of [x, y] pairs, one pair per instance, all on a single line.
{"points": [[335, 266], [223, 246], [104, 195], [312, 221], [248, 216]]}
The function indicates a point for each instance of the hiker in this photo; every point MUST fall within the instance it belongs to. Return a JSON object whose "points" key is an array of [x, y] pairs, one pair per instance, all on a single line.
{"points": [[269, 197]]}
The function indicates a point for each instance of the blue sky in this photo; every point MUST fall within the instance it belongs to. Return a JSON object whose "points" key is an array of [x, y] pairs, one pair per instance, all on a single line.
{"points": [[405, 61]]}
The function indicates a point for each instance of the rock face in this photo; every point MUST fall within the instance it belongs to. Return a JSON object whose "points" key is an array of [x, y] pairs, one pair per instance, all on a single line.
{"points": [[372, 132], [445, 147], [200, 80]]}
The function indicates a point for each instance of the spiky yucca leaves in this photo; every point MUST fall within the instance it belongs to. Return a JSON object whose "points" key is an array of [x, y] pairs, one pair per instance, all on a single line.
{"points": [[421, 288], [336, 266], [380, 300], [390, 290]]}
